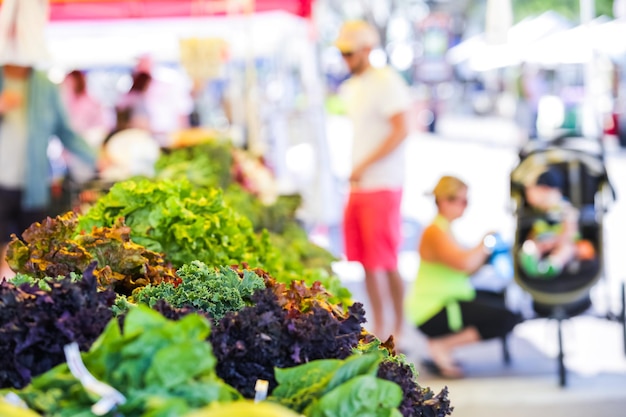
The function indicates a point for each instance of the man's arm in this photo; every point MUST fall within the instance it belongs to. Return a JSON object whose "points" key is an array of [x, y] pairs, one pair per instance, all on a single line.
{"points": [[399, 132]]}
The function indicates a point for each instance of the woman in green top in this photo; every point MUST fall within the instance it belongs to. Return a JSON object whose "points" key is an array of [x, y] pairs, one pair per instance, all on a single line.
{"points": [[442, 302]]}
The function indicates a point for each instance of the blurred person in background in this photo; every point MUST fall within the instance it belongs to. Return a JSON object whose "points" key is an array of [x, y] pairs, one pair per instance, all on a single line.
{"points": [[87, 117], [532, 87], [376, 101], [31, 113], [442, 302], [168, 98], [132, 108]]}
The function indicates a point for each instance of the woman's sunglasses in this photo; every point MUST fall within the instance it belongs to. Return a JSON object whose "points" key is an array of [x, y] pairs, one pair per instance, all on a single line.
{"points": [[460, 200]]}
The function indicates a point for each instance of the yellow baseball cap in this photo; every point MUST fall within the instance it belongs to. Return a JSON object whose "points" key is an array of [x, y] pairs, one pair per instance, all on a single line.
{"points": [[355, 35]]}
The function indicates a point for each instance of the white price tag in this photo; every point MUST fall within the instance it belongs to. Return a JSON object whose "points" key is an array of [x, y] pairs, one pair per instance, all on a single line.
{"points": [[110, 397], [260, 389]]}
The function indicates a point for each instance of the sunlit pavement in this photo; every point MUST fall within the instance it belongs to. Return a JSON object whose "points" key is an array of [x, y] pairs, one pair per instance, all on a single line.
{"points": [[483, 152]]}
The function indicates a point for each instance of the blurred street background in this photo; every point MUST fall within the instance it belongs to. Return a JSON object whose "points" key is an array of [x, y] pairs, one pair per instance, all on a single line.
{"points": [[483, 151]]}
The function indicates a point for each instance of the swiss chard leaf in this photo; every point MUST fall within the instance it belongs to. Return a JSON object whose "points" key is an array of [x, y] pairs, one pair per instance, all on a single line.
{"points": [[292, 382]]}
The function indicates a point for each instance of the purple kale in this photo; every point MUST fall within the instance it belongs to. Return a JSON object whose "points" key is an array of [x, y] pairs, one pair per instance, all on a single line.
{"points": [[250, 343], [36, 324], [417, 401]]}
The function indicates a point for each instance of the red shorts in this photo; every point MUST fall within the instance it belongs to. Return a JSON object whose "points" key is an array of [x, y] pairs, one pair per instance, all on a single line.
{"points": [[372, 228]]}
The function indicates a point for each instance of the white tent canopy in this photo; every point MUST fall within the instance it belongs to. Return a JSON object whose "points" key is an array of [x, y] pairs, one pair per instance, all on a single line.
{"points": [[481, 56], [580, 44], [84, 44], [577, 45]]}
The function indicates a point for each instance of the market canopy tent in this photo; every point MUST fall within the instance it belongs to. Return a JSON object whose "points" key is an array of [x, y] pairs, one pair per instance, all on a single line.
{"points": [[580, 44], [113, 42], [480, 55], [131, 9]]}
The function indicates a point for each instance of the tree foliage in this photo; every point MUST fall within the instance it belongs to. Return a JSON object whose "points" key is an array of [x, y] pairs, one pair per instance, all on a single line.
{"points": [[568, 8]]}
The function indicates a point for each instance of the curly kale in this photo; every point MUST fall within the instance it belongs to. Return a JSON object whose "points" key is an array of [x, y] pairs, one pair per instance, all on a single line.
{"points": [[214, 291], [417, 401]]}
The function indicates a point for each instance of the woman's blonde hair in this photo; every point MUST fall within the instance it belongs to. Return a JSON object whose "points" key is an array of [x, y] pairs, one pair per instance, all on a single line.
{"points": [[447, 187]]}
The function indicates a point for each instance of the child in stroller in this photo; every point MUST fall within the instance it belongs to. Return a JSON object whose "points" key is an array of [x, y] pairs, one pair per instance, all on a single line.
{"points": [[578, 179], [554, 241]]}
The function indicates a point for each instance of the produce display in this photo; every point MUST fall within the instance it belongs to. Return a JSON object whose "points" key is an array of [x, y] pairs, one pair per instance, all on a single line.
{"points": [[317, 359], [181, 306], [188, 223], [245, 185]]}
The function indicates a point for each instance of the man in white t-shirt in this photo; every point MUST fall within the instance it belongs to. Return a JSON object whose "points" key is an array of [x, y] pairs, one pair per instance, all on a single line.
{"points": [[376, 101]]}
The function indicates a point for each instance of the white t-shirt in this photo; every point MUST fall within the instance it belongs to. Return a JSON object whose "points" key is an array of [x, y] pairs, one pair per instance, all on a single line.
{"points": [[371, 99], [14, 139]]}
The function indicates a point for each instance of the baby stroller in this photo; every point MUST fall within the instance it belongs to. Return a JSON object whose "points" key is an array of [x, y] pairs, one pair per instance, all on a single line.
{"points": [[587, 187]]}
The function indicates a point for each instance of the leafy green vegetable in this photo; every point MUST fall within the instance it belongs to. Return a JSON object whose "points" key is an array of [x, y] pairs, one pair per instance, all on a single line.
{"points": [[205, 165], [163, 368], [206, 289], [41, 283], [188, 223], [311, 378], [294, 243], [54, 248], [417, 401], [362, 396], [184, 222], [342, 388], [212, 165]]}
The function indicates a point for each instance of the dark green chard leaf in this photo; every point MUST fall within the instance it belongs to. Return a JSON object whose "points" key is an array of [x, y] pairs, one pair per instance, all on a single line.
{"points": [[300, 386], [361, 396], [341, 388], [296, 384]]}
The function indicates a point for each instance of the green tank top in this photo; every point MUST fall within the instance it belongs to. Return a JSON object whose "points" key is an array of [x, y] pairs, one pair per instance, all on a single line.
{"points": [[438, 286]]}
